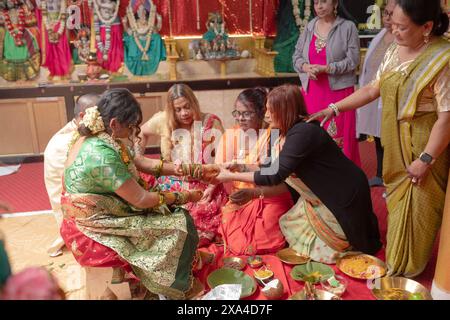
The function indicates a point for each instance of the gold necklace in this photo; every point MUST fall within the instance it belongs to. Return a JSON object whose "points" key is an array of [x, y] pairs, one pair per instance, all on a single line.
{"points": [[320, 42]]}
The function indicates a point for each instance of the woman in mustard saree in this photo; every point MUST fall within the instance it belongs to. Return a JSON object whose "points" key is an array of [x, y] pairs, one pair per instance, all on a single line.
{"points": [[110, 220], [413, 82]]}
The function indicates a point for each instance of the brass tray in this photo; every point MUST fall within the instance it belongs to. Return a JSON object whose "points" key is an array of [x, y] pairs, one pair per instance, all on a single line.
{"points": [[399, 288], [365, 267], [290, 256]]}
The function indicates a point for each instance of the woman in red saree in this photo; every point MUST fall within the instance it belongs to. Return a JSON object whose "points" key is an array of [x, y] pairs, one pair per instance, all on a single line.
{"points": [[250, 219], [189, 136]]}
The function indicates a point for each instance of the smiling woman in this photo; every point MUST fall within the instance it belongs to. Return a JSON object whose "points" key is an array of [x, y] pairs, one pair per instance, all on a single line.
{"points": [[181, 127]]}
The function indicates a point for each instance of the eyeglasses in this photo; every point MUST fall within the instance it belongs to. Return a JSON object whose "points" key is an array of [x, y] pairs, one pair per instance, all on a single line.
{"points": [[387, 13], [245, 114]]}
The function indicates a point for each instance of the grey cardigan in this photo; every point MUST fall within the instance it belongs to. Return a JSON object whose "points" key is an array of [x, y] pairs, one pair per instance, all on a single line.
{"points": [[342, 53]]}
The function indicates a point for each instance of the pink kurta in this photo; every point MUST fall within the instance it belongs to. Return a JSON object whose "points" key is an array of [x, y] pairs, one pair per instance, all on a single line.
{"points": [[320, 95]]}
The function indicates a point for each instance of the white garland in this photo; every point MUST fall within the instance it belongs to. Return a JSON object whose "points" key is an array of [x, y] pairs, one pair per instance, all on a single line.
{"points": [[147, 30], [102, 19], [301, 23], [53, 36], [104, 49]]}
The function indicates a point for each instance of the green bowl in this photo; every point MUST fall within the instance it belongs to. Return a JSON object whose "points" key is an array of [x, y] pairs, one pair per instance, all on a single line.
{"points": [[313, 272], [232, 276]]}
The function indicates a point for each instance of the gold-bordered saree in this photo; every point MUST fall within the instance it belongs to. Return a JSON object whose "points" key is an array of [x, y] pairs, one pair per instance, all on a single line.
{"points": [[415, 212]]}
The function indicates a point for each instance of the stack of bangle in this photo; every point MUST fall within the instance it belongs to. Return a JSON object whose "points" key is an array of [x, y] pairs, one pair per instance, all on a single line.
{"points": [[158, 169], [334, 108], [193, 170]]}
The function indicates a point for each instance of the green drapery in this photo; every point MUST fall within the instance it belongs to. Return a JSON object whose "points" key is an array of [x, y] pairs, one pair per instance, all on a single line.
{"points": [[287, 35]]}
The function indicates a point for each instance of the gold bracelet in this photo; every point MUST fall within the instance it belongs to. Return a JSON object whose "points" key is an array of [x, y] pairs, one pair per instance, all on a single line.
{"points": [[159, 168], [162, 200]]}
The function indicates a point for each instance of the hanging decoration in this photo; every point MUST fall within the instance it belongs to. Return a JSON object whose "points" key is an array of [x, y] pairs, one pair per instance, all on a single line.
{"points": [[50, 24], [107, 22], [296, 5], [74, 15]]}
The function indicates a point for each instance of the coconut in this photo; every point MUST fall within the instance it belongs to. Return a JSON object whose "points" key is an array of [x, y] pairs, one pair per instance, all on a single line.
{"points": [[273, 290]]}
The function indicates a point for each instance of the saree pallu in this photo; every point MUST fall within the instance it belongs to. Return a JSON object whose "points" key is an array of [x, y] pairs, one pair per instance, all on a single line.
{"points": [[254, 227], [313, 230], [415, 212], [159, 248]]}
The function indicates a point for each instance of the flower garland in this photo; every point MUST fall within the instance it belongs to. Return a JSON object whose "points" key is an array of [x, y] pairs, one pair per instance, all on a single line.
{"points": [[104, 49], [301, 23], [53, 36], [147, 30], [17, 34]]}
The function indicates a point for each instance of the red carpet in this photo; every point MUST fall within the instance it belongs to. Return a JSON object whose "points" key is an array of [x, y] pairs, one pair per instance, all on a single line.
{"points": [[25, 191]]}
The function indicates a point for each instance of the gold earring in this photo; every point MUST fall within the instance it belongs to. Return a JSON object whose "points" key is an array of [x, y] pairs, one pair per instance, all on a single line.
{"points": [[335, 11], [426, 38]]}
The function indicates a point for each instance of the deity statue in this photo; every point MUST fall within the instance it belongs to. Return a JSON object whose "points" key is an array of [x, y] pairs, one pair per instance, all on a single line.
{"points": [[144, 48], [218, 40], [56, 51], [81, 46], [20, 55], [108, 34]]}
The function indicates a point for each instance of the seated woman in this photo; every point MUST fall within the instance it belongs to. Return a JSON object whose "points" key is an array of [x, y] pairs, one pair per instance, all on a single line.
{"points": [[181, 127], [250, 219], [110, 220], [334, 213]]}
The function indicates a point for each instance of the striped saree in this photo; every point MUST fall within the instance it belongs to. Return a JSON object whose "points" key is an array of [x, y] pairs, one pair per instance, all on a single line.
{"points": [[415, 212]]}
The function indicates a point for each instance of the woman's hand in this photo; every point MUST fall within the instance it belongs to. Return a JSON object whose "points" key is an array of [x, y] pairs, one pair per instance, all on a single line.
{"points": [[326, 114], [318, 68], [208, 194], [234, 167], [417, 171], [225, 175], [242, 196], [195, 195], [310, 70]]}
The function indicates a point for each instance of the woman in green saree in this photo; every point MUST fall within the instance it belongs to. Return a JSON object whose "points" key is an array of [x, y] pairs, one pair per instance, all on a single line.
{"points": [[110, 220], [413, 82]]}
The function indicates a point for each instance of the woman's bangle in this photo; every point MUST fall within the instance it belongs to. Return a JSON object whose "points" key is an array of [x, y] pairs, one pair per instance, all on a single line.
{"points": [[159, 167], [335, 109], [261, 193], [162, 199]]}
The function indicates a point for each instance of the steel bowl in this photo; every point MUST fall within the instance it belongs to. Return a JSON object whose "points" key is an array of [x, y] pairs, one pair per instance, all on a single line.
{"points": [[255, 261], [319, 295], [399, 288], [233, 263]]}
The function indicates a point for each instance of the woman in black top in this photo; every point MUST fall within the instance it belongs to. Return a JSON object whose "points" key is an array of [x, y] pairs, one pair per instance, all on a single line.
{"points": [[334, 213]]}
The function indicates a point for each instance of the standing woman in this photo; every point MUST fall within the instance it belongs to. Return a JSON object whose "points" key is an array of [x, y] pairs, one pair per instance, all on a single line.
{"points": [[334, 213], [368, 120], [181, 141], [326, 57], [413, 82]]}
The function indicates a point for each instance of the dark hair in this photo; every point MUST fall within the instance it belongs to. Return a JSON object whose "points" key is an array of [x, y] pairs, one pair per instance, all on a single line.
{"points": [[287, 106], [120, 104], [254, 98], [85, 101], [422, 11]]}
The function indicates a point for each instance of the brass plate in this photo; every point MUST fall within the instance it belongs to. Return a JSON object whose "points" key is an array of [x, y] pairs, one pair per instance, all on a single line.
{"points": [[290, 256], [399, 288], [361, 266]]}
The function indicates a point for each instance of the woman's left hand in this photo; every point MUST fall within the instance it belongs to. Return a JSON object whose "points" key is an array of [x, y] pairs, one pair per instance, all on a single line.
{"points": [[242, 196], [320, 69], [417, 171], [224, 176]]}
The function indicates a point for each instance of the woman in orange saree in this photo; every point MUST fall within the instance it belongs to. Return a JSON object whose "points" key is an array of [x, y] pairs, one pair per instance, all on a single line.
{"points": [[250, 219]]}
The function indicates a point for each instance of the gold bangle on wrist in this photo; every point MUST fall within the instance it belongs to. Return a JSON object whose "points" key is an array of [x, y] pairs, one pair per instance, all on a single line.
{"points": [[162, 199]]}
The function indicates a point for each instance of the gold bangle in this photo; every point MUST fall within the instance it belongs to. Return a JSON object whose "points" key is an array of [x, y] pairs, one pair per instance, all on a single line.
{"points": [[162, 199], [159, 168]]}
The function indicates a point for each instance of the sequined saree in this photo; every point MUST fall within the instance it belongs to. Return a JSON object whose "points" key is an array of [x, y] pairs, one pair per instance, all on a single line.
{"points": [[103, 230]]}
